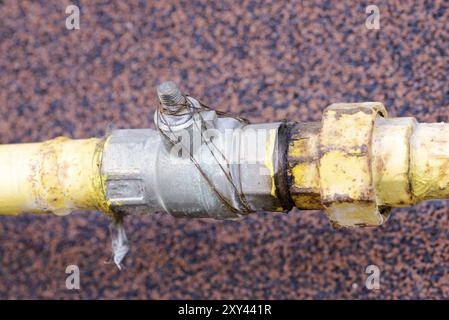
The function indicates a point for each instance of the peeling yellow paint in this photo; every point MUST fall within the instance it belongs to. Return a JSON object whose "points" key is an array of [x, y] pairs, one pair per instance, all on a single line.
{"points": [[354, 164], [429, 165], [303, 156], [346, 179], [57, 176], [357, 165], [391, 161]]}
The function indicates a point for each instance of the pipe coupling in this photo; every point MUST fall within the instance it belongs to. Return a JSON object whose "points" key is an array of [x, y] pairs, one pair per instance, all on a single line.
{"points": [[347, 188]]}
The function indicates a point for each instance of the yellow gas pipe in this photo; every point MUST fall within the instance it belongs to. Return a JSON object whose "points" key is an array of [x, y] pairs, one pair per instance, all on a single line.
{"points": [[354, 164], [55, 176], [357, 162]]}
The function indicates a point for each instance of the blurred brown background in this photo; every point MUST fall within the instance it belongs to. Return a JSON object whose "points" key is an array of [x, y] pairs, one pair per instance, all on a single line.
{"points": [[265, 60]]}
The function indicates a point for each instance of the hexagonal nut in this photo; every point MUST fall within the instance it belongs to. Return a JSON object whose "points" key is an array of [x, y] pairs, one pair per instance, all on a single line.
{"points": [[345, 160]]}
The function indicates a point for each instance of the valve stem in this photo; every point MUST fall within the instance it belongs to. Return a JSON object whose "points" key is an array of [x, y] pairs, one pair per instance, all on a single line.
{"points": [[170, 96]]}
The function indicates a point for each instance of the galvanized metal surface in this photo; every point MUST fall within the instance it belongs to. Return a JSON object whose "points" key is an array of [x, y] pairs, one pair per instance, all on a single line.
{"points": [[145, 172]]}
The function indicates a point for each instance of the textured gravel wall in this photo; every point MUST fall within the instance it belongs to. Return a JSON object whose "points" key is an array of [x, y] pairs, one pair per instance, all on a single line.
{"points": [[265, 60]]}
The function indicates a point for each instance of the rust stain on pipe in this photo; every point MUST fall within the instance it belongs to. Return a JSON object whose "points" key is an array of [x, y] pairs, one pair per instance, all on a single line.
{"points": [[357, 164]]}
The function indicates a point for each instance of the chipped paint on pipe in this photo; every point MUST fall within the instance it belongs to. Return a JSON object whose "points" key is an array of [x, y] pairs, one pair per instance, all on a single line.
{"points": [[411, 161], [303, 166], [429, 167], [56, 176], [391, 161], [356, 164], [361, 172]]}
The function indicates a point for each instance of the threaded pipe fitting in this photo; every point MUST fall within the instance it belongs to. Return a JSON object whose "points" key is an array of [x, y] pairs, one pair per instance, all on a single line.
{"points": [[170, 95]]}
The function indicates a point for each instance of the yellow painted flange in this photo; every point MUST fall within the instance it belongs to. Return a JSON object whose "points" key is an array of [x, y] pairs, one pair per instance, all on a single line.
{"points": [[345, 157]]}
